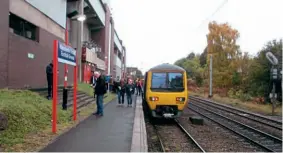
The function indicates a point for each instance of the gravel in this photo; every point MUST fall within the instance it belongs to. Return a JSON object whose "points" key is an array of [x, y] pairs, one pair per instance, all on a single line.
{"points": [[174, 140], [214, 138]]}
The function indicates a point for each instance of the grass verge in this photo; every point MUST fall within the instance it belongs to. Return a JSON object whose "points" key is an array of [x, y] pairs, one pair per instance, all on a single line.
{"points": [[29, 120], [265, 109], [86, 88]]}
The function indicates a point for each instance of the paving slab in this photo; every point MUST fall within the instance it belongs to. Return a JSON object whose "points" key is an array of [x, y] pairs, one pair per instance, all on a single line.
{"points": [[110, 133], [139, 138]]}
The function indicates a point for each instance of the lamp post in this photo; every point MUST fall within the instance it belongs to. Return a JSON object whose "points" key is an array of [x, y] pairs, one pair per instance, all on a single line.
{"points": [[81, 18], [210, 76]]}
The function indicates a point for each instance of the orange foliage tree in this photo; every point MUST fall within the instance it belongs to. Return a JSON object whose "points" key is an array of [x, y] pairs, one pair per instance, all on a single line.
{"points": [[222, 45]]}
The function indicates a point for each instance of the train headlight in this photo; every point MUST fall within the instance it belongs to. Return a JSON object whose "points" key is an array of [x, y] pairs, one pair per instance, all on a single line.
{"points": [[180, 99], [153, 98]]}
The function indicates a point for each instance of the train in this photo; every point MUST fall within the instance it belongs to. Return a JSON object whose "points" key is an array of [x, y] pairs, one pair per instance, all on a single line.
{"points": [[165, 91]]}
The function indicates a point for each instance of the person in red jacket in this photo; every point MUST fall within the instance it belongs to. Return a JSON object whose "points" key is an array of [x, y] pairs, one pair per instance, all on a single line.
{"points": [[139, 87]]}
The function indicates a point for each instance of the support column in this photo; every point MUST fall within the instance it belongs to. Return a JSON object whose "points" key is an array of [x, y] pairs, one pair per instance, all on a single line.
{"points": [[4, 42]]}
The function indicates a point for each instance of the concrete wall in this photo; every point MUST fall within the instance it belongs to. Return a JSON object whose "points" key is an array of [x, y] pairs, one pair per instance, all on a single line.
{"points": [[99, 37], [74, 33], [98, 7], [112, 55], [117, 42], [54, 9], [28, 12], [106, 32]]}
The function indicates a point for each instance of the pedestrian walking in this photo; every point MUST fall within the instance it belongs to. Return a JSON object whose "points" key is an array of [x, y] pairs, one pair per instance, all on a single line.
{"points": [[100, 90], [129, 91], [49, 75]]}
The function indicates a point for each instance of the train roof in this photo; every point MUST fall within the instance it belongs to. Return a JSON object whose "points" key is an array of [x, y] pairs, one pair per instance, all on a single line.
{"points": [[167, 66]]}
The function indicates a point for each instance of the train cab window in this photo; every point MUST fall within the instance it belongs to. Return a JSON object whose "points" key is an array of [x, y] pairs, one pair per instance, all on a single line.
{"points": [[175, 80], [158, 80], [170, 81]]}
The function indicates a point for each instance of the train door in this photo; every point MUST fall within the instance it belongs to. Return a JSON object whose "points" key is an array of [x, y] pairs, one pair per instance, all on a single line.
{"points": [[144, 86]]}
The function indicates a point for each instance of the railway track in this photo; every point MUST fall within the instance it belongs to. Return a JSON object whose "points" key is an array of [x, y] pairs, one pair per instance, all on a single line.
{"points": [[194, 146], [271, 123], [261, 139], [265, 125]]}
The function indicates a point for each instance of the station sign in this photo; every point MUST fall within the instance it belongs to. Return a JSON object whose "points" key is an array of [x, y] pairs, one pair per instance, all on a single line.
{"points": [[66, 54]]}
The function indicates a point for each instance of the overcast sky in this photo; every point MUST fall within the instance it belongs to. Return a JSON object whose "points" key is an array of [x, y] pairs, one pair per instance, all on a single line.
{"points": [[162, 31]]}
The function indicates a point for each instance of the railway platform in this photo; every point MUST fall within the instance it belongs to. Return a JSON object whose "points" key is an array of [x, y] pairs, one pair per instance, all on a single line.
{"points": [[121, 129]]}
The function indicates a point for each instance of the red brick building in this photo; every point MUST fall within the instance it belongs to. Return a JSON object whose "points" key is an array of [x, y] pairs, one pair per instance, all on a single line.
{"points": [[28, 29]]}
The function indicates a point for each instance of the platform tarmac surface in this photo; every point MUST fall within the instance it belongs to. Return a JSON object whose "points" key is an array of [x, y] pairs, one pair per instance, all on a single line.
{"points": [[110, 133]]}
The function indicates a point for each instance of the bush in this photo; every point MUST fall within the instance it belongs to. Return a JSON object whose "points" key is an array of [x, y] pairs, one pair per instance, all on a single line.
{"points": [[26, 112], [239, 93], [246, 97], [231, 93]]}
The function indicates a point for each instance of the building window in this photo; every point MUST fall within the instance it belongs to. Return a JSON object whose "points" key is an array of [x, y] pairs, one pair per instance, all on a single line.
{"points": [[23, 28]]}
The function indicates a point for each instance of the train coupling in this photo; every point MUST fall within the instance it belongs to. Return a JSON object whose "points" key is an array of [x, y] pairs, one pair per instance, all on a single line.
{"points": [[168, 115]]}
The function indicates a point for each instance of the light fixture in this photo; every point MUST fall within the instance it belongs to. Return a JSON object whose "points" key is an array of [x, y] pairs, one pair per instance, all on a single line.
{"points": [[81, 18]]}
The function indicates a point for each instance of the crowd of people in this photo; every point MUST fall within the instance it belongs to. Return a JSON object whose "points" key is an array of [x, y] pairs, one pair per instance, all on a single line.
{"points": [[127, 87], [121, 87]]}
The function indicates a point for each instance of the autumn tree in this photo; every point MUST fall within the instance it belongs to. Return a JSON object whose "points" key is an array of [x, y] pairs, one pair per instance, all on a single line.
{"points": [[202, 58], [222, 44]]}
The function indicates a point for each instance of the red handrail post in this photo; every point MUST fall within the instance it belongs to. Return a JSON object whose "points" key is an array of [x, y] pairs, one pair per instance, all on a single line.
{"points": [[65, 65], [75, 90], [54, 86]]}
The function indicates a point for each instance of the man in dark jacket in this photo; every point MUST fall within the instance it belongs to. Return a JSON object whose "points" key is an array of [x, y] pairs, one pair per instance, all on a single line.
{"points": [[100, 90], [49, 75]]}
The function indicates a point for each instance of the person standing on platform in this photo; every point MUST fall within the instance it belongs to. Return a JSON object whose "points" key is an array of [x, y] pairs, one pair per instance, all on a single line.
{"points": [[49, 75], [100, 90], [139, 85], [121, 89], [129, 91]]}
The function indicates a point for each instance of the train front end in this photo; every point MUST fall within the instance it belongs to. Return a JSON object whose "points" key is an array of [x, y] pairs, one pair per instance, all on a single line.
{"points": [[167, 93]]}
